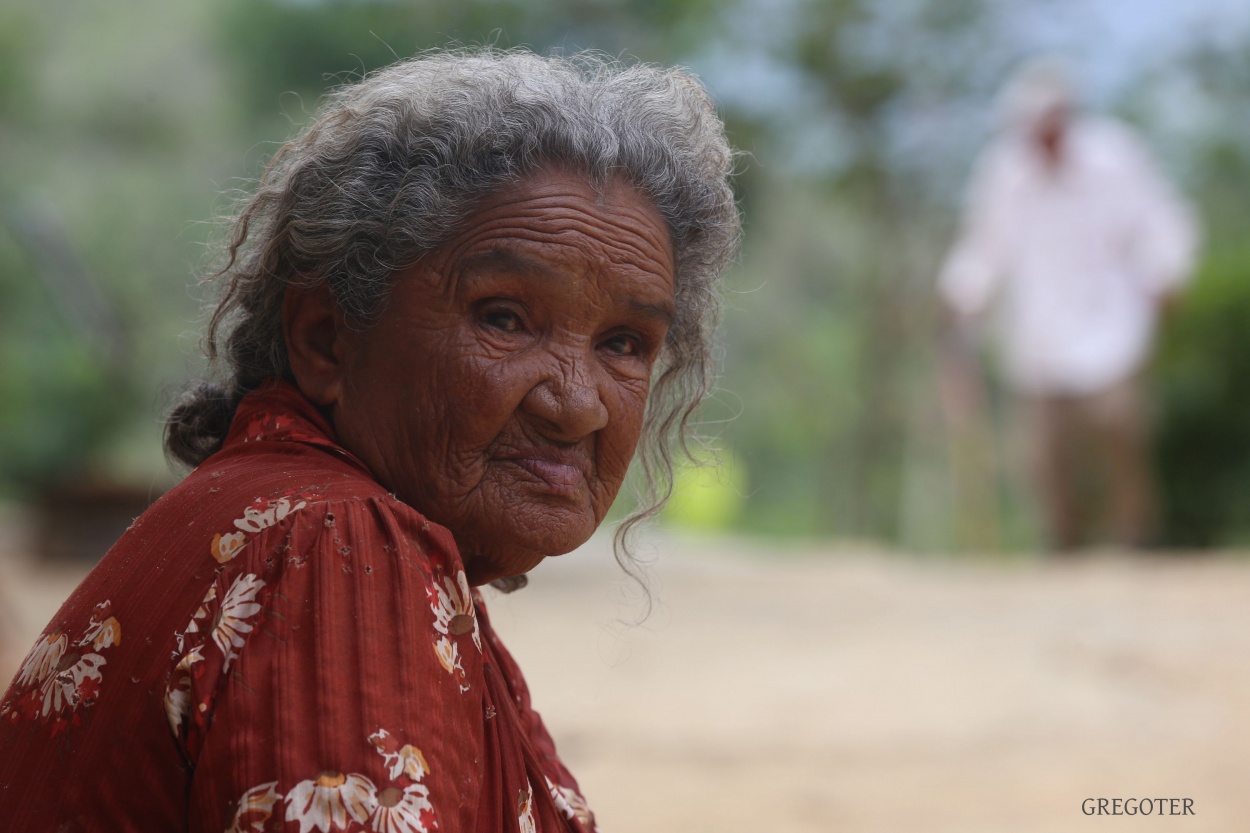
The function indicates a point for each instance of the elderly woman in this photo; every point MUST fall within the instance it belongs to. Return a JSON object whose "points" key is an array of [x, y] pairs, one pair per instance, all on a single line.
{"points": [[452, 309]]}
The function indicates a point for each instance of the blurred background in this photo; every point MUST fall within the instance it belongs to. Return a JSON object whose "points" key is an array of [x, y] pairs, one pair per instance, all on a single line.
{"points": [[126, 127]]}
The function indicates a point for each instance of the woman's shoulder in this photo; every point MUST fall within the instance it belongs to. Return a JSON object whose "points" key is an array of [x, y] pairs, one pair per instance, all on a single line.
{"points": [[249, 488], [315, 570], [328, 607], [223, 539], [280, 510]]}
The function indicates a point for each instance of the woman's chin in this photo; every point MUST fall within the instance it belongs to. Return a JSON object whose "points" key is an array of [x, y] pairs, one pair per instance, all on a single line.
{"points": [[526, 550], [481, 570]]}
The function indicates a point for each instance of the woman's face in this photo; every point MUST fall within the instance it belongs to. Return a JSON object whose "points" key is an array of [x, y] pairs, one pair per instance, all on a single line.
{"points": [[502, 391]]}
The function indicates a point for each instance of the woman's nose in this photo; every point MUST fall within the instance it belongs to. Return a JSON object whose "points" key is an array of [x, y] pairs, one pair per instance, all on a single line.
{"points": [[567, 403]]}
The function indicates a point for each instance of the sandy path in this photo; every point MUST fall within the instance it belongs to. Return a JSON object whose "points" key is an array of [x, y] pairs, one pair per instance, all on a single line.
{"points": [[796, 690]]}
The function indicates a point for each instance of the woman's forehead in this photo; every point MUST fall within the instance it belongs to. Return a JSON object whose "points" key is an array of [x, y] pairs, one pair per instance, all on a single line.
{"points": [[562, 257], [556, 200], [558, 221]]}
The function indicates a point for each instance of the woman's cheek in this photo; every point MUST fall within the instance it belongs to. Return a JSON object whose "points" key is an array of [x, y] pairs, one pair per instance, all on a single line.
{"points": [[502, 382], [631, 406], [620, 440]]}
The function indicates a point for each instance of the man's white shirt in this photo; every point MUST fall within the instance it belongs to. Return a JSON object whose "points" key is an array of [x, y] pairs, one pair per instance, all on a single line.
{"points": [[1074, 259]]}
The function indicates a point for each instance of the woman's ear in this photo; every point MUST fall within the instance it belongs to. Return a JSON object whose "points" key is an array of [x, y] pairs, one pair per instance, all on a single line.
{"points": [[316, 342]]}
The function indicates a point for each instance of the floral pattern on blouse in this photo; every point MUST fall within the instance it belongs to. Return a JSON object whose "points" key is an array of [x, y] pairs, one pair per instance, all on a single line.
{"points": [[213, 589], [333, 800], [223, 626], [571, 803], [62, 675], [255, 809], [454, 616], [525, 810], [261, 514]]}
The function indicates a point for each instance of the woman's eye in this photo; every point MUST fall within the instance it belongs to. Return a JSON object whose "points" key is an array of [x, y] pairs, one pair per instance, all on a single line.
{"points": [[624, 344], [503, 320]]}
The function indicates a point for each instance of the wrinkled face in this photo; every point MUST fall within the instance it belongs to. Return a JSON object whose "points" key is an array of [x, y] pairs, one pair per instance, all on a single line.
{"points": [[502, 391]]}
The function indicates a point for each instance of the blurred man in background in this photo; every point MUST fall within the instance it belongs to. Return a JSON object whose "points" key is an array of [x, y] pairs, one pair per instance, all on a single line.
{"points": [[1075, 242]]}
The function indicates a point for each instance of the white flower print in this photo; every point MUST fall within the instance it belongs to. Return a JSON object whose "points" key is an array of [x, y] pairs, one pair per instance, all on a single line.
{"points": [[178, 694], [43, 659], [404, 810], [340, 801], [449, 657], [227, 616], [328, 801], [570, 802], [202, 611], [200, 614], [75, 678], [525, 810], [453, 608], [263, 514], [177, 704], [255, 808], [60, 674], [230, 625], [400, 760], [104, 631]]}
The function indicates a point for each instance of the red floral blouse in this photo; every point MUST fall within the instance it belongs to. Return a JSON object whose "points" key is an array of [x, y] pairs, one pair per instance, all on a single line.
{"points": [[278, 644]]}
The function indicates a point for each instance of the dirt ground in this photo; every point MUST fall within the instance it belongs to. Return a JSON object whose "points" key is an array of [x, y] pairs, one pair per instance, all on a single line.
{"points": [[788, 688]]}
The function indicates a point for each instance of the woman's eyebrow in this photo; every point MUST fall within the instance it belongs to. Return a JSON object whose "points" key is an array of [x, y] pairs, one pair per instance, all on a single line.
{"points": [[664, 312], [507, 259]]}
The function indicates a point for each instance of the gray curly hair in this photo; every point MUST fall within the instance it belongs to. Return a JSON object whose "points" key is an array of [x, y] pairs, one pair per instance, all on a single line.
{"points": [[392, 166]]}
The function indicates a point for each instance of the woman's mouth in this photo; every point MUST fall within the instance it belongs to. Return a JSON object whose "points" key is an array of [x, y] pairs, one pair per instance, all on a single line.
{"points": [[562, 472]]}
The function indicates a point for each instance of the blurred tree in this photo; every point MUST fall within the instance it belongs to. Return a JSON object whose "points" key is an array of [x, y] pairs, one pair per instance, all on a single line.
{"points": [[73, 349], [843, 263], [1201, 373], [93, 271], [280, 48], [1204, 360], [859, 120]]}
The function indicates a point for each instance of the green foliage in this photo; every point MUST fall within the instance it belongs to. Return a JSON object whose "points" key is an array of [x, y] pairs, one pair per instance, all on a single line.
{"points": [[1204, 419], [61, 398], [16, 59], [708, 496], [1203, 439], [286, 54], [130, 117], [278, 48]]}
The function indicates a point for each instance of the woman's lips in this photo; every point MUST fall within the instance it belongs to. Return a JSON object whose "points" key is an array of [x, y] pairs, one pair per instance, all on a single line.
{"points": [[563, 473]]}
